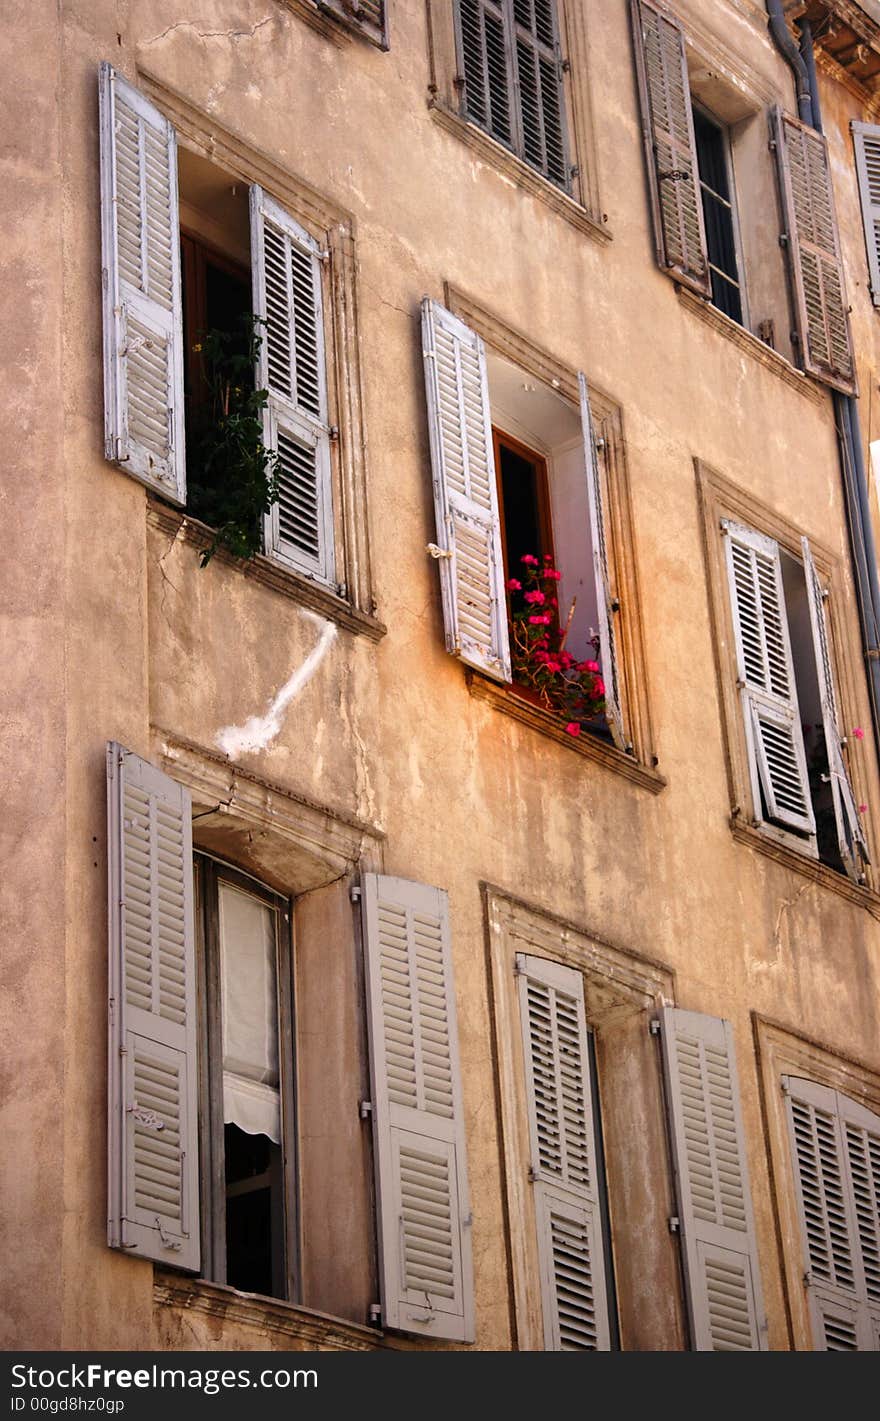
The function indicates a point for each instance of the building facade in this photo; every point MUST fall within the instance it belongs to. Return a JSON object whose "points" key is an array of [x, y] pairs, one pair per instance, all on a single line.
{"points": [[490, 946]]}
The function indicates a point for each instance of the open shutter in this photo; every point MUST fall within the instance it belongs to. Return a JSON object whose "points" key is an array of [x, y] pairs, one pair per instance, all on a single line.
{"points": [[775, 741], [153, 1125], [715, 1208], [424, 1213], [465, 493], [563, 1168], [850, 835], [866, 140], [607, 606], [143, 312], [486, 61], [835, 1144], [813, 247], [670, 146], [368, 17], [286, 265]]}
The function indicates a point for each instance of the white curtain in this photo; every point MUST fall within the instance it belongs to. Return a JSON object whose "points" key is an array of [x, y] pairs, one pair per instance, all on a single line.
{"points": [[249, 993]]}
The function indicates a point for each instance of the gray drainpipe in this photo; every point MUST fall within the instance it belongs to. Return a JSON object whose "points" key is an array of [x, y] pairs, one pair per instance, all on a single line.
{"points": [[846, 413]]}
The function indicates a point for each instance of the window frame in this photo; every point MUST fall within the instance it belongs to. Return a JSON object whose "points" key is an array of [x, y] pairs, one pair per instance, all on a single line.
{"points": [[733, 203]]}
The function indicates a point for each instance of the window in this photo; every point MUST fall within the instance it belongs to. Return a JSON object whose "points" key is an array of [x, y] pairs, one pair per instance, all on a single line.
{"points": [[719, 217], [367, 17]]}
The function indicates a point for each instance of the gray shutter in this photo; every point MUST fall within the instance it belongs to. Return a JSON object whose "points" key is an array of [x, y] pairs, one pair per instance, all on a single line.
{"points": [[715, 1208], [564, 1172], [465, 493], [143, 312], [486, 61], [541, 107], [424, 1213], [291, 365], [670, 147], [850, 835], [866, 140], [153, 1126], [368, 17], [813, 247], [835, 1145], [607, 606], [768, 693]]}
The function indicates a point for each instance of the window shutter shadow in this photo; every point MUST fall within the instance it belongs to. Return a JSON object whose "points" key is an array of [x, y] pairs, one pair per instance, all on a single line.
{"points": [[424, 1212], [670, 146], [813, 248], [142, 303], [153, 1069], [465, 493], [604, 602], [286, 264], [719, 1249], [866, 141]]}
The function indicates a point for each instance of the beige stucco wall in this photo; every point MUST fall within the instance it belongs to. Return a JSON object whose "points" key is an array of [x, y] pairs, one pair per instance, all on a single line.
{"points": [[115, 632]]}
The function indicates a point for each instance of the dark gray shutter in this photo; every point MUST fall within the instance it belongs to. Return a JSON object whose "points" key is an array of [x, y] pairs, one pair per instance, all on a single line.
{"points": [[813, 246], [606, 605], [418, 1126], [670, 147], [291, 365], [486, 61], [368, 17], [153, 1176], [564, 1169], [866, 140], [143, 311], [541, 107], [715, 1208]]}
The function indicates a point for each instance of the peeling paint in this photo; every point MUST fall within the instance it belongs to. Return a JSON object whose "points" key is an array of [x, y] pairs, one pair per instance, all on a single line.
{"points": [[259, 731]]}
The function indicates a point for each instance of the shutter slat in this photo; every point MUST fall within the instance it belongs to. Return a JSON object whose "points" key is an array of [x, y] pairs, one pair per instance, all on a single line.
{"points": [[367, 17], [604, 603], [866, 140]]}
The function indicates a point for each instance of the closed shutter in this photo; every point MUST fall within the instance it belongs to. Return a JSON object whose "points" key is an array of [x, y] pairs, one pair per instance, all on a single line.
{"points": [[715, 1209], [606, 605], [368, 17], [835, 1145], [153, 1126], [291, 366], [487, 64], [866, 140], [143, 313], [813, 247], [564, 1171], [465, 493], [541, 109], [424, 1213], [777, 761], [670, 147], [850, 835]]}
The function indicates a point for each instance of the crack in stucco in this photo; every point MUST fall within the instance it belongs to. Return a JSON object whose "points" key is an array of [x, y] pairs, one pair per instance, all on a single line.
{"points": [[166, 580], [784, 907], [210, 34]]}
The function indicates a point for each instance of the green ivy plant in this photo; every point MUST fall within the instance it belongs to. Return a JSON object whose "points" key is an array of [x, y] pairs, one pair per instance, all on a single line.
{"points": [[232, 477]]}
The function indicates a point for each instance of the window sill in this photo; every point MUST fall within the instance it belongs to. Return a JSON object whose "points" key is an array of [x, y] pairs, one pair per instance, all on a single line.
{"points": [[264, 570], [809, 867], [518, 171], [764, 354], [329, 28], [592, 748], [316, 1330]]}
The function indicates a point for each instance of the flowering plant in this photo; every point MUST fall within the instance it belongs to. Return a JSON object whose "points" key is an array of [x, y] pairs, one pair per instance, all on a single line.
{"points": [[574, 689]]}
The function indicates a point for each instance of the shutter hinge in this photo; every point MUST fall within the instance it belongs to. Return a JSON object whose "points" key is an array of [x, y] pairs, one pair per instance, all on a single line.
{"points": [[600, 444], [374, 1314], [615, 604], [532, 1174], [654, 1026], [334, 432], [565, 66], [574, 171], [468, 1220], [324, 255], [437, 552], [355, 893], [785, 1087], [365, 1109], [674, 1224], [808, 1279]]}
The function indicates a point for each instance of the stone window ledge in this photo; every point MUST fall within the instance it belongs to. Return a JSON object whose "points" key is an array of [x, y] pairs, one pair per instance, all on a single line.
{"points": [[764, 354], [287, 1322], [811, 868]]}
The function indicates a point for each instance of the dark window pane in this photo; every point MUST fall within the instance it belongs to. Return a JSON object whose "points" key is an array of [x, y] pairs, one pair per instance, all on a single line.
{"points": [[718, 216], [254, 1213]]}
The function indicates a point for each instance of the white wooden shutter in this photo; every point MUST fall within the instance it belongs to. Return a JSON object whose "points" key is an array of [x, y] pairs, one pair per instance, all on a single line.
{"points": [[286, 264], [768, 693], [813, 248], [850, 835], [715, 1209], [368, 17], [835, 1145], [465, 493], [866, 140], [143, 312], [670, 146], [606, 605], [563, 1170], [424, 1213], [153, 1125]]}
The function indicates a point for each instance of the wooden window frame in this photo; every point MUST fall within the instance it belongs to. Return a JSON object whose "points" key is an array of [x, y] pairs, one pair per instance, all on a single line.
{"points": [[502, 440]]}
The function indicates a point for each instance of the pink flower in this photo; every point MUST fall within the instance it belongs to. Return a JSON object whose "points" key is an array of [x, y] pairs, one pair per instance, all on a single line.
{"points": [[863, 808], [547, 557], [572, 728], [529, 560], [588, 666], [514, 586], [552, 574], [598, 686], [859, 733], [536, 597], [553, 665], [540, 621], [566, 659]]}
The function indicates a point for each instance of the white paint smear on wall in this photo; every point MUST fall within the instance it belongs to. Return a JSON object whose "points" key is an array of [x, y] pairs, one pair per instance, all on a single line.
{"points": [[258, 732]]}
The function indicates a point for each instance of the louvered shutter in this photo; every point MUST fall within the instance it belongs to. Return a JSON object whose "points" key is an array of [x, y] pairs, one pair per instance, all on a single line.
{"points": [[541, 109], [715, 1209], [424, 1213], [368, 17], [768, 693], [835, 1146], [465, 493], [564, 1169], [486, 60], [866, 140], [670, 146], [813, 247], [143, 313], [606, 605], [850, 835], [286, 263], [153, 1125]]}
